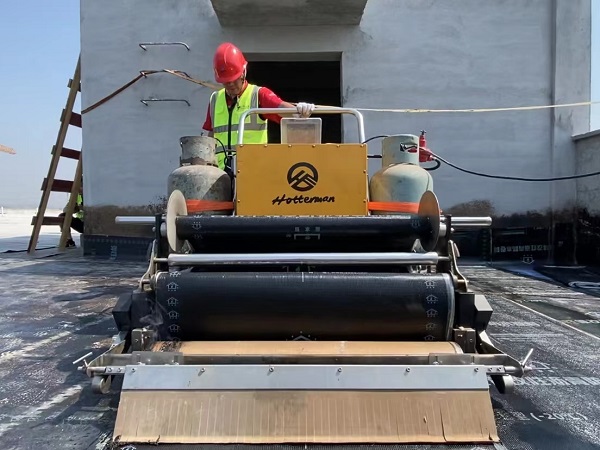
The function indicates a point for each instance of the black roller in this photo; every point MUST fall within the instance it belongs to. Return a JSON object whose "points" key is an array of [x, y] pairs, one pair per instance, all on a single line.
{"points": [[322, 306], [243, 234]]}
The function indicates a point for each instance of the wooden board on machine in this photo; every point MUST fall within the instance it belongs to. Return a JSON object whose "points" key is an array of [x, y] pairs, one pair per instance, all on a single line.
{"points": [[327, 417], [306, 348]]}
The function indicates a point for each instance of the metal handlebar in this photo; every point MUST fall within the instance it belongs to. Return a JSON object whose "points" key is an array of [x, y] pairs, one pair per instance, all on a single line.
{"points": [[317, 110]]}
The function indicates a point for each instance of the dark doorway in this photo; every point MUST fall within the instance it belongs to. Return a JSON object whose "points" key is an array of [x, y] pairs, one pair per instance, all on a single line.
{"points": [[317, 82]]}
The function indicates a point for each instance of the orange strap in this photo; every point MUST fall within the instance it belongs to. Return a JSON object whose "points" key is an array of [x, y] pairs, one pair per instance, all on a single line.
{"points": [[194, 206], [401, 207]]}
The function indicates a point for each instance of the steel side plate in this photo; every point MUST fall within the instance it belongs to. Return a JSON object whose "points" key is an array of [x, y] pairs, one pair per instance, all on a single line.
{"points": [[300, 377]]}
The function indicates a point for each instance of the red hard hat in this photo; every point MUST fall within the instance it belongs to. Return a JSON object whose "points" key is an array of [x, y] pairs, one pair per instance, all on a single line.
{"points": [[229, 63]]}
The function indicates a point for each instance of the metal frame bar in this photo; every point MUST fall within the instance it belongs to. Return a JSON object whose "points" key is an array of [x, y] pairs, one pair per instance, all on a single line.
{"points": [[177, 259], [497, 363], [305, 377], [469, 222], [458, 223], [135, 220], [317, 110]]}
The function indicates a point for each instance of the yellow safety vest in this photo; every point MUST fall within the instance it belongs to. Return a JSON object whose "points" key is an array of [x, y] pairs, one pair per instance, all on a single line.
{"points": [[79, 214], [225, 121]]}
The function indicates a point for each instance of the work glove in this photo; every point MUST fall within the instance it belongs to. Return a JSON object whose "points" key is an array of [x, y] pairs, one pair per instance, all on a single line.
{"points": [[304, 109]]}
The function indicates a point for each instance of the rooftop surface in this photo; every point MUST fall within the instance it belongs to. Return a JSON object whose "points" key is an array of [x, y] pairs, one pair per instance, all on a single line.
{"points": [[55, 308]]}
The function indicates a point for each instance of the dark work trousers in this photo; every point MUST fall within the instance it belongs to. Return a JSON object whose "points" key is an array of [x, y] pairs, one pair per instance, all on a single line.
{"points": [[76, 223]]}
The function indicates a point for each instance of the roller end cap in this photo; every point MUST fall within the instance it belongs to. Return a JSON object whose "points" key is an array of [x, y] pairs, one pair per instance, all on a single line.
{"points": [[175, 207], [429, 208]]}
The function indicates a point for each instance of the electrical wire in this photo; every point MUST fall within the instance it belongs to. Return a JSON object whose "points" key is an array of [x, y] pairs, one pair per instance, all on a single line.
{"points": [[216, 87], [439, 160], [219, 140], [502, 177], [375, 137]]}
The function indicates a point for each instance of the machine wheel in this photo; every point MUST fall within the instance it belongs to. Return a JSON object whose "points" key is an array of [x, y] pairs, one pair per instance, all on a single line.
{"points": [[101, 384], [504, 383]]}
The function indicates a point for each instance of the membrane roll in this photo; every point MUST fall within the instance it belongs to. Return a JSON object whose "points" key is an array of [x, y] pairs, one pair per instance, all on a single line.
{"points": [[227, 306], [244, 234]]}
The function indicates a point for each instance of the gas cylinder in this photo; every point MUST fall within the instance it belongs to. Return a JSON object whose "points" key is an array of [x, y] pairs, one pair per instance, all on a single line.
{"points": [[198, 177], [401, 179]]}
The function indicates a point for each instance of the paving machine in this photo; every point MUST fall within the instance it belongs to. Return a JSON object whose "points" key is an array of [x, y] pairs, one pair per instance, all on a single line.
{"points": [[304, 303]]}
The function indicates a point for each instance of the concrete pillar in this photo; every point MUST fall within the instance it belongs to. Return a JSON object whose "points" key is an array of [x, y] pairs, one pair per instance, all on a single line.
{"points": [[571, 72]]}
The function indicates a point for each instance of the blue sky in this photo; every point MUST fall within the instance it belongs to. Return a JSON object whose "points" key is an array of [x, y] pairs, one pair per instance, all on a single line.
{"points": [[39, 51], [40, 46]]}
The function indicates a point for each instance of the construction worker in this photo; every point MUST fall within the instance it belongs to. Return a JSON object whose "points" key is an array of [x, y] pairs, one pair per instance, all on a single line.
{"points": [[76, 220], [236, 97]]}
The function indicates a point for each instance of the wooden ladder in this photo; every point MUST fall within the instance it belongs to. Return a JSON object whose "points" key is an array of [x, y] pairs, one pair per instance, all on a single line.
{"points": [[51, 184]]}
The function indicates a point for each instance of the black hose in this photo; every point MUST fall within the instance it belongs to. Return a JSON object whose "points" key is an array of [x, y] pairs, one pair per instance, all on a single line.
{"points": [[375, 137], [502, 177], [437, 166], [219, 140]]}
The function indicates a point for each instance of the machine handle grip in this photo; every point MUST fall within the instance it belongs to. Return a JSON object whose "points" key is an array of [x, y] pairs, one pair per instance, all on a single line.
{"points": [[317, 110]]}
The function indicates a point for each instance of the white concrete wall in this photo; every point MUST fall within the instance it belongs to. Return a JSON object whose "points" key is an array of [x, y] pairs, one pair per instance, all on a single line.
{"points": [[588, 161], [571, 78], [409, 54]]}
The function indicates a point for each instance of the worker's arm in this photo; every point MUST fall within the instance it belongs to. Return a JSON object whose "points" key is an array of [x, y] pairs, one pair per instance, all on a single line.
{"points": [[286, 105], [303, 109], [208, 123], [268, 99]]}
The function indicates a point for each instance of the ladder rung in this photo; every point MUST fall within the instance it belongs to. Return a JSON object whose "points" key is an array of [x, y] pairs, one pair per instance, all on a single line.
{"points": [[58, 185], [75, 120], [49, 220], [70, 153], [70, 83]]}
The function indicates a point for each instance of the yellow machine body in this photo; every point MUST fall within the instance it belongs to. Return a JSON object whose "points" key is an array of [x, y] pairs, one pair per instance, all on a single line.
{"points": [[302, 180]]}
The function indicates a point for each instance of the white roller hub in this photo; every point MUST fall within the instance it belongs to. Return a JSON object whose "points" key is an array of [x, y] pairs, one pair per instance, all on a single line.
{"points": [[429, 207], [175, 207]]}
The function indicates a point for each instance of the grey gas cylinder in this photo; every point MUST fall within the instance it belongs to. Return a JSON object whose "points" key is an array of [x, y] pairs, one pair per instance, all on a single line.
{"points": [[198, 176], [401, 179]]}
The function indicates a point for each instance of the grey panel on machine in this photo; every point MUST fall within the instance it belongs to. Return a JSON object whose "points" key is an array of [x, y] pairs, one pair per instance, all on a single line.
{"points": [[312, 377], [288, 305]]}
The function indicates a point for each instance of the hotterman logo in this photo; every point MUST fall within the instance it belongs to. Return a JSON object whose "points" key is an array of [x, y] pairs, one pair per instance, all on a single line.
{"points": [[301, 199], [302, 177]]}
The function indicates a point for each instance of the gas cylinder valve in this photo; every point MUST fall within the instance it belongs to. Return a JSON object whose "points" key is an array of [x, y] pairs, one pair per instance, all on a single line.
{"points": [[424, 153]]}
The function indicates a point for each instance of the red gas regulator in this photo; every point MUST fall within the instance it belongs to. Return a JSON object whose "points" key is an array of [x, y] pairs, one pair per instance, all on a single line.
{"points": [[424, 153]]}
